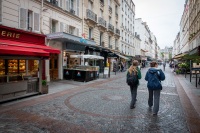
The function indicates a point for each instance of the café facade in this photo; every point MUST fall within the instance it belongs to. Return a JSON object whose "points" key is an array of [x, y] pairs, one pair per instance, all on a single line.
{"points": [[22, 67]]}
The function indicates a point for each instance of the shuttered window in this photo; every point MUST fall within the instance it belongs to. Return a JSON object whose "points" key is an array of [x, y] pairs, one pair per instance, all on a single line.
{"points": [[60, 3], [61, 27], [23, 18], [0, 11], [67, 5], [36, 22]]}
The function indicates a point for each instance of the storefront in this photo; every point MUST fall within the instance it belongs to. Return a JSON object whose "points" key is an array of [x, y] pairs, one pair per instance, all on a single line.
{"points": [[22, 55], [76, 46]]}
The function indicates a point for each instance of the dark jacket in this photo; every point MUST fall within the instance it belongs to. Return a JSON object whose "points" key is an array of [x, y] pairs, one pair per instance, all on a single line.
{"points": [[139, 74], [154, 72]]}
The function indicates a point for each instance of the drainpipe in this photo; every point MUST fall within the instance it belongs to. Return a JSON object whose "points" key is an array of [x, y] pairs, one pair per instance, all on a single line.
{"points": [[41, 17]]}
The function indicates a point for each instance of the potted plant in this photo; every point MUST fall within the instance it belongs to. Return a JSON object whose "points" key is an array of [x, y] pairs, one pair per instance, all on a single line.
{"points": [[45, 87]]}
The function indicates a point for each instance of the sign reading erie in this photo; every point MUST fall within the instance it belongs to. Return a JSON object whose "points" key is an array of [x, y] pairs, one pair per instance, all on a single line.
{"points": [[9, 34]]}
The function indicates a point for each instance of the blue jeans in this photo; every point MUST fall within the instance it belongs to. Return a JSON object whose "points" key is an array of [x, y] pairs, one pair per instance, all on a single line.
{"points": [[156, 95], [133, 94]]}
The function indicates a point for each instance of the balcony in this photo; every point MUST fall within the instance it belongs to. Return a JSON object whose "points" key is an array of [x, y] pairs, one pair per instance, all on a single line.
{"points": [[72, 11], [110, 28], [110, 9], [102, 3], [53, 2], [102, 23], [91, 16], [117, 32]]}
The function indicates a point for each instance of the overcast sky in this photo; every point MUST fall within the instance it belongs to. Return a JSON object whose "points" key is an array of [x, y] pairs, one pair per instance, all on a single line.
{"points": [[162, 16]]}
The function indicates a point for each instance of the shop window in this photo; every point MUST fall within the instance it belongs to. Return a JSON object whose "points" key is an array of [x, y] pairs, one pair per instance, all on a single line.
{"points": [[0, 11], [2, 67]]}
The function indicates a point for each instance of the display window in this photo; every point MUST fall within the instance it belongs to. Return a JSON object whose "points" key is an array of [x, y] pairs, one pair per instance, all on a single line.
{"points": [[2, 67]]}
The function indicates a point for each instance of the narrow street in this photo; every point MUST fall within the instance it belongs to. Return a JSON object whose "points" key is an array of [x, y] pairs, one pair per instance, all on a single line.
{"points": [[98, 106]]}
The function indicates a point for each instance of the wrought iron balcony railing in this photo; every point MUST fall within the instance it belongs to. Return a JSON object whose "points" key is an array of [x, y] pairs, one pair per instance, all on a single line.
{"points": [[53, 2], [91, 15], [102, 3], [117, 31], [72, 11], [102, 22], [110, 27]]}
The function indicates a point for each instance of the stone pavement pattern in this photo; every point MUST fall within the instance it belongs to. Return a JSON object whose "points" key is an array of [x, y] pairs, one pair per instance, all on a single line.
{"points": [[102, 106]]}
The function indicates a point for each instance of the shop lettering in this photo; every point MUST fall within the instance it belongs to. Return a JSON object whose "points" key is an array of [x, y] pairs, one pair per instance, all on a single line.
{"points": [[9, 34]]}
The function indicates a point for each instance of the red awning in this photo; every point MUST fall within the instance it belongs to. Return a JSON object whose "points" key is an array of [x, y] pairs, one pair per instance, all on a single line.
{"points": [[13, 50], [19, 48]]}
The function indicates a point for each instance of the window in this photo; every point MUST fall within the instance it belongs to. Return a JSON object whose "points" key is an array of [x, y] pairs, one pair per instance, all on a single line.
{"points": [[90, 33], [90, 5], [110, 20], [116, 9], [109, 41], [101, 38], [30, 20], [72, 4], [101, 13], [0, 11], [53, 26], [72, 30], [60, 3]]}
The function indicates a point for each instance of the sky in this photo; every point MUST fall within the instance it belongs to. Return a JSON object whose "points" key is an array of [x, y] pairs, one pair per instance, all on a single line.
{"points": [[163, 18]]}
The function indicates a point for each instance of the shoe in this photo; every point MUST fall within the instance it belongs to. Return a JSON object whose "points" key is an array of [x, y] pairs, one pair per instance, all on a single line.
{"points": [[132, 106], [154, 114]]}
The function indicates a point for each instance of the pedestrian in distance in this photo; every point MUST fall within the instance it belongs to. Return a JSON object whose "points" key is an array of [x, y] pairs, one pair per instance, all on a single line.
{"points": [[132, 79], [164, 64], [154, 76]]}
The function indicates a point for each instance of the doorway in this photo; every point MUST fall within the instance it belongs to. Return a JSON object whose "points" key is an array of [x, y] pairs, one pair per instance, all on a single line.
{"points": [[53, 67]]}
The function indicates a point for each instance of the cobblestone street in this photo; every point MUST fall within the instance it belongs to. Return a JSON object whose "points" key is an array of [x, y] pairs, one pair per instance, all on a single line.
{"points": [[98, 106]]}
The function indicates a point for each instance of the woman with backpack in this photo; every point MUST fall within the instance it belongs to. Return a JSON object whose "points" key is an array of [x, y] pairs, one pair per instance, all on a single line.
{"points": [[132, 79], [154, 77]]}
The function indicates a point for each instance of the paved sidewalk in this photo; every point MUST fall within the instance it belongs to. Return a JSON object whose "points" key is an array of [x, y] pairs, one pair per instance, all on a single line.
{"points": [[98, 106]]}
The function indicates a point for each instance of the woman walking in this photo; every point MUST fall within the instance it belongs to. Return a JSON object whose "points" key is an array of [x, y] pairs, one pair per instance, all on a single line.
{"points": [[133, 76], [154, 77]]}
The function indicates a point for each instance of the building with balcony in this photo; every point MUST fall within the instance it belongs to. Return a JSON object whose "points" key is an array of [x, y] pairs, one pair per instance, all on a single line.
{"points": [[127, 15], [101, 24], [137, 44], [184, 29], [194, 26]]}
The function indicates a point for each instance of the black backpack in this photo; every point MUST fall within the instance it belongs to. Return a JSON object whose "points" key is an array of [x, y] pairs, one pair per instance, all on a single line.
{"points": [[132, 79]]}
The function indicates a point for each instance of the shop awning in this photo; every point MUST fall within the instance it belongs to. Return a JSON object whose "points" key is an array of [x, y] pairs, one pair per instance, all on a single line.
{"points": [[179, 55], [13, 50], [88, 57], [121, 56], [7, 46]]}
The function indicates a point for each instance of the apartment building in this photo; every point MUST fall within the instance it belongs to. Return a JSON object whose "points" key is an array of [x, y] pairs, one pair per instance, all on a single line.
{"points": [[137, 44], [127, 12], [194, 26], [184, 29]]}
